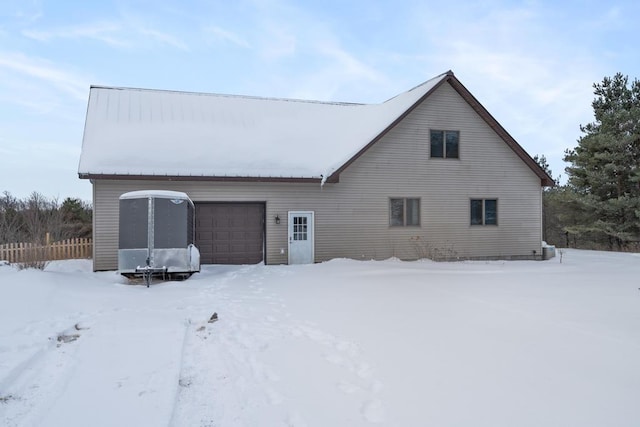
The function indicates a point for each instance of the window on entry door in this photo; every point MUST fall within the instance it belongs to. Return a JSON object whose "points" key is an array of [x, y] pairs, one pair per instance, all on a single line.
{"points": [[299, 228]]}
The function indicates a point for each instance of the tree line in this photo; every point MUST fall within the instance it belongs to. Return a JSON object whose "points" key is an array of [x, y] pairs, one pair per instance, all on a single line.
{"points": [[36, 218], [599, 206]]}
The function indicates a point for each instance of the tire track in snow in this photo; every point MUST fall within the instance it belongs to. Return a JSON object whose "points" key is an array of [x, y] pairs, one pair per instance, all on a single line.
{"points": [[180, 372], [36, 382]]}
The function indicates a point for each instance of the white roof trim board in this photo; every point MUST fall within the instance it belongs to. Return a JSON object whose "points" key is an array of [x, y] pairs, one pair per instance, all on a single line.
{"points": [[164, 133]]}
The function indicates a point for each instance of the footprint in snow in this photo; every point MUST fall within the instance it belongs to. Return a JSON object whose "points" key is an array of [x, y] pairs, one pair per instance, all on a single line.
{"points": [[274, 397], [333, 358], [373, 411], [348, 388], [296, 420], [364, 371]]}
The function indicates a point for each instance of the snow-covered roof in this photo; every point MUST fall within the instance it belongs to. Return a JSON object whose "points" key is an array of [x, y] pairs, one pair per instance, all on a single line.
{"points": [[159, 194], [165, 133]]}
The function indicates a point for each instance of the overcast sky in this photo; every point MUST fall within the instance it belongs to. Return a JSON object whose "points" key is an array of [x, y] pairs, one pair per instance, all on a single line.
{"points": [[532, 64]]}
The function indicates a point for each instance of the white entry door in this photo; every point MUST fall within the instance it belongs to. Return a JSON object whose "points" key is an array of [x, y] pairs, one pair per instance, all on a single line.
{"points": [[301, 237]]}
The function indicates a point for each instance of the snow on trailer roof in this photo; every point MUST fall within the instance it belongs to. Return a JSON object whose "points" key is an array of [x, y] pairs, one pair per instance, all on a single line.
{"points": [[159, 194], [167, 133]]}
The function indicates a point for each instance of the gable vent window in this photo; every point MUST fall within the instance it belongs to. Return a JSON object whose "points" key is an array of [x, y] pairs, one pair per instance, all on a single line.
{"points": [[444, 144], [404, 212], [484, 212]]}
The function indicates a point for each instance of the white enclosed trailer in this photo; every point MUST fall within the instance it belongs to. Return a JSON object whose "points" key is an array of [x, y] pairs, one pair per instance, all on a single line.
{"points": [[156, 235]]}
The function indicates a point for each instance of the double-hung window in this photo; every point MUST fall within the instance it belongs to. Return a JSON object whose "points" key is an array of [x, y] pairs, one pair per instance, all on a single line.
{"points": [[404, 212], [445, 144], [484, 212]]}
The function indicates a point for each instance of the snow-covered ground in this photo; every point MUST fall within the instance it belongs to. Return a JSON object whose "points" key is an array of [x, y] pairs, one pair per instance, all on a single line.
{"points": [[342, 343]]}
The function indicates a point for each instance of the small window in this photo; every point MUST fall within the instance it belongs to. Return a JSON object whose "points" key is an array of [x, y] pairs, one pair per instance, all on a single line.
{"points": [[299, 228], [404, 212], [445, 143], [491, 212], [484, 212], [437, 143], [476, 212]]}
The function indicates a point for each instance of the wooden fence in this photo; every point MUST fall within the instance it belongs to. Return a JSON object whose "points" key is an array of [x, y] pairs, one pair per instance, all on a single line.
{"points": [[64, 249]]}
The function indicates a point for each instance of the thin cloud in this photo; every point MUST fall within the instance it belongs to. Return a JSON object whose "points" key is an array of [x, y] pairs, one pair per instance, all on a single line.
{"points": [[227, 36], [612, 18], [44, 71], [286, 33], [347, 63], [114, 34], [336, 72], [26, 12], [164, 38], [147, 28], [278, 43], [102, 31]]}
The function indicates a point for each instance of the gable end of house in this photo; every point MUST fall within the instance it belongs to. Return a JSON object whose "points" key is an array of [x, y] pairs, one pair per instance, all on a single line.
{"points": [[545, 179], [335, 176]]}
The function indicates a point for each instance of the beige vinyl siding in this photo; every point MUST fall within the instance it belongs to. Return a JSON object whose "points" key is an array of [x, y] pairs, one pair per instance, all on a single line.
{"points": [[352, 216], [278, 198], [399, 166]]}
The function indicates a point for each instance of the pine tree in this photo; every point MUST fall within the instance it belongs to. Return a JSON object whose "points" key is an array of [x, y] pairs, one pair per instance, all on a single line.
{"points": [[77, 218], [605, 166]]}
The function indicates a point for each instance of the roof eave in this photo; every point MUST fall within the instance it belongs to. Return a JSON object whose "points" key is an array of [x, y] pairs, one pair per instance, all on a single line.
{"points": [[335, 176], [86, 175], [545, 179]]}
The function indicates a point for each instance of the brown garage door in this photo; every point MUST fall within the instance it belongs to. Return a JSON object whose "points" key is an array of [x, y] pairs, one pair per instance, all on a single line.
{"points": [[230, 233]]}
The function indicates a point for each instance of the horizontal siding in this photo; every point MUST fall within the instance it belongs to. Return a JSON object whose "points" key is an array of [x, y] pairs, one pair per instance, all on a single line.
{"points": [[399, 166], [351, 217], [278, 199], [105, 228]]}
